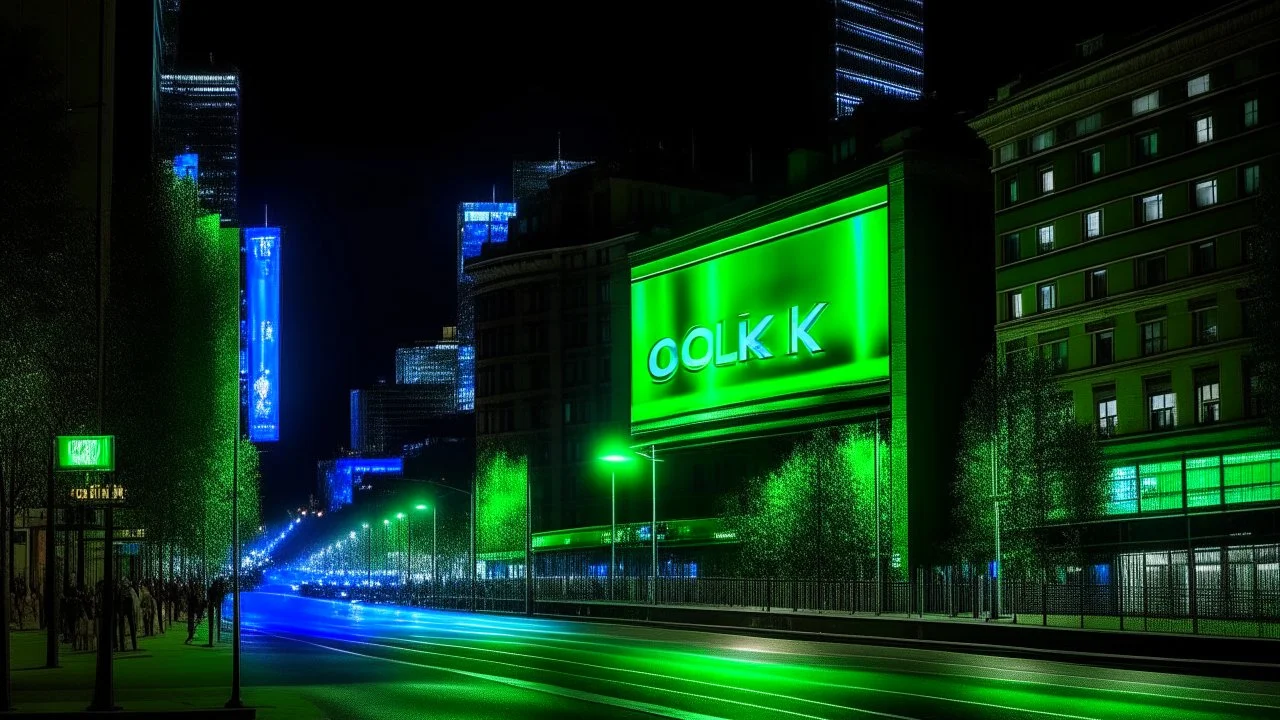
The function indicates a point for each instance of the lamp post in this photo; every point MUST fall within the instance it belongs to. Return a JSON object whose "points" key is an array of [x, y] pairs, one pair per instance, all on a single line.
{"points": [[408, 566], [386, 529], [368, 556], [618, 458], [613, 459]]}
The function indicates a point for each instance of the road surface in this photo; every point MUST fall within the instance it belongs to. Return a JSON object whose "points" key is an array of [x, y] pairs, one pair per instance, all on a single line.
{"points": [[379, 661]]}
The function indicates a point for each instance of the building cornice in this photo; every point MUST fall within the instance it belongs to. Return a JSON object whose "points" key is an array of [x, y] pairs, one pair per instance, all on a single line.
{"points": [[1192, 45]]}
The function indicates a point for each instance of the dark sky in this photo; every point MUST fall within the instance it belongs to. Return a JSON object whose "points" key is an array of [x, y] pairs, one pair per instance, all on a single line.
{"points": [[363, 126]]}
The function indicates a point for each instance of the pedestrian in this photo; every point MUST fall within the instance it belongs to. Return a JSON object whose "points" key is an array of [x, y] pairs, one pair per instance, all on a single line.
{"points": [[193, 602], [147, 608]]}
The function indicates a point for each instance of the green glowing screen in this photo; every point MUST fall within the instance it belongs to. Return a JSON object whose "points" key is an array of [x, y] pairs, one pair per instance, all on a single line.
{"points": [[86, 453], [794, 308]]}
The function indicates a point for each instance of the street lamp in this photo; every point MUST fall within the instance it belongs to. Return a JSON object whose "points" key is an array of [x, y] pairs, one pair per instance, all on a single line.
{"points": [[368, 555], [434, 512], [652, 457], [613, 459], [409, 559]]}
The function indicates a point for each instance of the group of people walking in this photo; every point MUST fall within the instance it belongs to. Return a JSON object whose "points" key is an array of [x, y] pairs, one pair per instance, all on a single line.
{"points": [[150, 606]]}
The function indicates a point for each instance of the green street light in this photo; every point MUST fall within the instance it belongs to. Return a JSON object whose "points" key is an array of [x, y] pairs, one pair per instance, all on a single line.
{"points": [[615, 458], [420, 507], [386, 522], [364, 525], [399, 516]]}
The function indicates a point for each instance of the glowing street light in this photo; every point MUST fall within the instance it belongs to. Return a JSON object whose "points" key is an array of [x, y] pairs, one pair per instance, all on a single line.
{"points": [[613, 459]]}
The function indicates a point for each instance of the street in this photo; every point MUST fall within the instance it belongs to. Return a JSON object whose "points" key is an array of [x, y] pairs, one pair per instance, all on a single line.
{"points": [[384, 661]]}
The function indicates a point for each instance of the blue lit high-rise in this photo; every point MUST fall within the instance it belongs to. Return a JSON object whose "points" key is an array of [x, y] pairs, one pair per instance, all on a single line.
{"points": [[878, 52], [479, 223], [200, 114]]}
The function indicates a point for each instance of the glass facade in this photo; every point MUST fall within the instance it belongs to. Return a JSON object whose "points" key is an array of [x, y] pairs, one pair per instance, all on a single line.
{"points": [[529, 178], [479, 223], [200, 113], [879, 51], [337, 478], [1208, 481], [427, 364]]}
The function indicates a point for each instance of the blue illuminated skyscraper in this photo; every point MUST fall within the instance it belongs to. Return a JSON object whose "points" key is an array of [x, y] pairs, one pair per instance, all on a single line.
{"points": [[479, 223], [879, 51], [200, 113]]}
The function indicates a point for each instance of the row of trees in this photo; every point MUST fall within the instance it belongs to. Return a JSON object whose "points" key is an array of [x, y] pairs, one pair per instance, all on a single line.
{"points": [[166, 379]]}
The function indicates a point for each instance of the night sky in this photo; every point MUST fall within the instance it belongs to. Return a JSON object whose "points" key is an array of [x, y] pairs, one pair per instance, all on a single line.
{"points": [[364, 126]]}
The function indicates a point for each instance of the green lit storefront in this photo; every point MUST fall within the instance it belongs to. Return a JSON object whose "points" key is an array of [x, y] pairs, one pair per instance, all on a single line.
{"points": [[831, 334]]}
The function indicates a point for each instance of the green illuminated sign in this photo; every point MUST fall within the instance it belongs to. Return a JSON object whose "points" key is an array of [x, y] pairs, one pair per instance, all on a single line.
{"points": [[795, 308], [86, 453]]}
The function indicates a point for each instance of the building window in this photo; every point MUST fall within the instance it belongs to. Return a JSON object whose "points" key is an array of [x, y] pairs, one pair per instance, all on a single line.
{"points": [[1010, 191], [1104, 347], [1104, 399], [1249, 180], [604, 290], [1044, 239], [1042, 141], [1206, 193], [1153, 208], [1151, 271], [1146, 103], [605, 329], [1056, 353], [1207, 392], [1088, 124], [1046, 180], [1093, 224], [1012, 248], [1251, 113], [1096, 284], [1091, 163], [1205, 324], [1253, 400], [1008, 153], [1148, 146], [1204, 129], [1161, 404], [1204, 257], [1198, 85], [1013, 304], [1046, 296], [1153, 337]]}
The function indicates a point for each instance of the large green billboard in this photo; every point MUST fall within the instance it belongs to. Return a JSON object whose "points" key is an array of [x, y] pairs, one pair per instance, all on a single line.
{"points": [[787, 313]]}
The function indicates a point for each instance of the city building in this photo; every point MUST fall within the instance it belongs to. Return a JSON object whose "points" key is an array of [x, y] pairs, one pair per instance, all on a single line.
{"points": [[200, 113], [337, 479], [551, 318], [386, 418], [530, 177], [1125, 202], [429, 363], [877, 51], [479, 224], [624, 340]]}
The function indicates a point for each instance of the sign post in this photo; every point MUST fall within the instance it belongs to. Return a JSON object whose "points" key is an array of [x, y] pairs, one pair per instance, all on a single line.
{"points": [[90, 454]]}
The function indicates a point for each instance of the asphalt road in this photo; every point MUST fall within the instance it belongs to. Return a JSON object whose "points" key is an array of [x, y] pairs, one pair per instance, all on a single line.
{"points": [[380, 661]]}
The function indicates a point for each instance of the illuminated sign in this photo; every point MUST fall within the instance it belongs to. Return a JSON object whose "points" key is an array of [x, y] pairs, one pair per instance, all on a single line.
{"points": [[262, 280], [98, 493], [790, 311], [86, 453]]}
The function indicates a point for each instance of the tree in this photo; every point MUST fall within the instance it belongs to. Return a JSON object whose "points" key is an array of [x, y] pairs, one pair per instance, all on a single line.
{"points": [[502, 479], [1264, 310], [814, 514], [1020, 442]]}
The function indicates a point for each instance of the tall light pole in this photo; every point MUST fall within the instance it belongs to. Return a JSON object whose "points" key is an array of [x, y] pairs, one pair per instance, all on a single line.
{"points": [[408, 567], [368, 555], [386, 529], [652, 457], [613, 459]]}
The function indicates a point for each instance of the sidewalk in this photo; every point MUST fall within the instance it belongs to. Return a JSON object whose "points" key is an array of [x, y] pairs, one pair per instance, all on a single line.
{"points": [[163, 675]]}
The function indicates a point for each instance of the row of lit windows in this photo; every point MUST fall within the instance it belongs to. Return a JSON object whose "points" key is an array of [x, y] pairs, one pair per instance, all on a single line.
{"points": [[1148, 208], [1146, 148], [1160, 401], [1138, 105], [1195, 482]]}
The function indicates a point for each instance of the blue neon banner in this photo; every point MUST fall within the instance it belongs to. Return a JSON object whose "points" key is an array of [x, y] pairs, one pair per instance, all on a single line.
{"points": [[262, 285], [187, 166]]}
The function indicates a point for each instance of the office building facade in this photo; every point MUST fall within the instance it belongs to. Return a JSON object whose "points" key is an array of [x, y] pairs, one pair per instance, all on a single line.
{"points": [[200, 113], [479, 224], [1125, 204], [429, 363], [528, 178], [386, 418], [878, 51]]}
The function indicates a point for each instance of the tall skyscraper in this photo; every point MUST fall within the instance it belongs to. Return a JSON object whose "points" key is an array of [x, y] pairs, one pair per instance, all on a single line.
{"points": [[878, 51], [386, 418], [530, 177], [478, 223], [429, 363], [200, 113]]}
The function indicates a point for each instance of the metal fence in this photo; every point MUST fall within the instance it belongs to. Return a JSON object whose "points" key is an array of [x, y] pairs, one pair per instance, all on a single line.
{"points": [[1245, 611]]}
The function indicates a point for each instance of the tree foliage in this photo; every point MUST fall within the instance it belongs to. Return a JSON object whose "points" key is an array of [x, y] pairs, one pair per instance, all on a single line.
{"points": [[814, 514], [1265, 308], [1048, 469], [502, 478]]}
